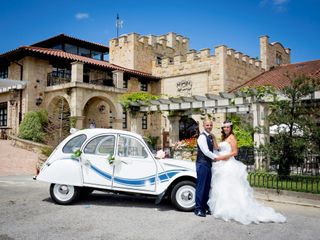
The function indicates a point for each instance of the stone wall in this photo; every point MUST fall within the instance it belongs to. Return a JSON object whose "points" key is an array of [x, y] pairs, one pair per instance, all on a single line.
{"points": [[269, 53], [137, 52]]}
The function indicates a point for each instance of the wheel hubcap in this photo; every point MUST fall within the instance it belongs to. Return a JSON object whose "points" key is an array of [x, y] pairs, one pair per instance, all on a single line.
{"points": [[186, 196], [63, 192]]}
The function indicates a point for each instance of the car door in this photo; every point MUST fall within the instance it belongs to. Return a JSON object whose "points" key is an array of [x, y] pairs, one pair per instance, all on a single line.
{"points": [[135, 168], [95, 160]]}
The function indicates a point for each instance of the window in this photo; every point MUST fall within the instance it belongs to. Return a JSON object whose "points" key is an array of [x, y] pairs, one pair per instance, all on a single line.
{"points": [[59, 47], [103, 145], [145, 121], [159, 60], [96, 55], [4, 73], [84, 52], [61, 72], [131, 147], [71, 48], [124, 120], [74, 144], [125, 82], [144, 86], [278, 59], [3, 114]]}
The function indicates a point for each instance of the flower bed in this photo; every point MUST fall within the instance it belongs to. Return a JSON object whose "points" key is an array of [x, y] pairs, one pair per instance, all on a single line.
{"points": [[185, 149]]}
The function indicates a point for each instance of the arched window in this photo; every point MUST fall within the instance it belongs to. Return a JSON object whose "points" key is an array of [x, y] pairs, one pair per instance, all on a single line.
{"points": [[278, 59]]}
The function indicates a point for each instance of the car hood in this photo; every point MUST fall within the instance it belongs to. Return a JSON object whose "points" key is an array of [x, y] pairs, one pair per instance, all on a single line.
{"points": [[169, 163]]}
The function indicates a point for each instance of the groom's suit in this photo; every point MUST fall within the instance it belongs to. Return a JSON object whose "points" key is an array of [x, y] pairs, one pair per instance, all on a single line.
{"points": [[203, 166]]}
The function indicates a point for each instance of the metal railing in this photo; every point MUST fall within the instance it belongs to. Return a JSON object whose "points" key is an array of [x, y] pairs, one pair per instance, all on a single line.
{"points": [[103, 82], [55, 79], [309, 167], [298, 183]]}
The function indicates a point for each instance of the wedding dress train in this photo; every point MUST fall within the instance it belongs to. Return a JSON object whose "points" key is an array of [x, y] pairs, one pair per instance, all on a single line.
{"points": [[231, 197]]}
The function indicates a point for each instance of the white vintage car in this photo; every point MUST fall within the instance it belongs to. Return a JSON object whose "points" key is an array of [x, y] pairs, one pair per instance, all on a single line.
{"points": [[118, 161]]}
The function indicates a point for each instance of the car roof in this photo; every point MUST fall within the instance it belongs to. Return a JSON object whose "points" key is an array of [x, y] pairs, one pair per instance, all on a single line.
{"points": [[96, 131]]}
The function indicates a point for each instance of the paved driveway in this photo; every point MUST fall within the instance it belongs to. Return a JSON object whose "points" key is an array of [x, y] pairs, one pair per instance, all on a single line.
{"points": [[27, 212], [16, 161]]}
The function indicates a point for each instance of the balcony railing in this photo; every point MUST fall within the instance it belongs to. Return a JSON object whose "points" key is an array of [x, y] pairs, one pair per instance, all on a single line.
{"points": [[54, 78], [103, 82]]}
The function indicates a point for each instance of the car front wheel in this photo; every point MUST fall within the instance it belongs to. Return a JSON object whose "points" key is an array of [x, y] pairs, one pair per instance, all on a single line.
{"points": [[183, 195], [64, 194]]}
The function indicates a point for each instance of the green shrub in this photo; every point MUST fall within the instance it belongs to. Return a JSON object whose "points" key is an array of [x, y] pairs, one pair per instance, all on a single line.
{"points": [[32, 126]]}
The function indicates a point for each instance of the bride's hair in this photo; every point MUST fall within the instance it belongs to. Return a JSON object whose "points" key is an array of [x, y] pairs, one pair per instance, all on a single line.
{"points": [[223, 134]]}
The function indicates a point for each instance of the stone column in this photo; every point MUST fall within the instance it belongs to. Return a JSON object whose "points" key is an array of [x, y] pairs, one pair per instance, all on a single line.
{"points": [[173, 129], [261, 136], [117, 123], [135, 123], [80, 122], [264, 52], [117, 78], [77, 72]]}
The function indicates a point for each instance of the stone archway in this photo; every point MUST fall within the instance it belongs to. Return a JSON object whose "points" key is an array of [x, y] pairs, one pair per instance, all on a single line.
{"points": [[99, 113], [188, 128], [59, 120]]}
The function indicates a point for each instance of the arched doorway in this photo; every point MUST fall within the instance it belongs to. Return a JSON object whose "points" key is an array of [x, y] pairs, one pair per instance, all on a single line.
{"points": [[58, 121], [98, 114], [188, 128]]}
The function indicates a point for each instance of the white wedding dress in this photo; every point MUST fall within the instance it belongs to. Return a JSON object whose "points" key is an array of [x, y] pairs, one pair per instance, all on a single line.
{"points": [[231, 197]]}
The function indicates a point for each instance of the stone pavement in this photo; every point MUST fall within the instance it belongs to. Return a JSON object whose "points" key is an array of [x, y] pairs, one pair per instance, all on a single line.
{"points": [[17, 161]]}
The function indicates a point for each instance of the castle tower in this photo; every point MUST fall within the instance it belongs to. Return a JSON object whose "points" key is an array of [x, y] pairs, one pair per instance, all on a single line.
{"points": [[273, 54], [137, 52]]}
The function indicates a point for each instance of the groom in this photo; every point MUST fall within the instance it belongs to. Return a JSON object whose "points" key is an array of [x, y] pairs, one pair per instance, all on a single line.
{"points": [[205, 156]]}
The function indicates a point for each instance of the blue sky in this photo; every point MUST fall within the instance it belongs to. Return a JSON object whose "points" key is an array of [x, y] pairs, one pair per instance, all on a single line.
{"points": [[237, 24]]}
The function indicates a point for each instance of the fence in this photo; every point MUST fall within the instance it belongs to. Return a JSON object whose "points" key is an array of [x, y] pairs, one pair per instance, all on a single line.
{"points": [[309, 167], [297, 183]]}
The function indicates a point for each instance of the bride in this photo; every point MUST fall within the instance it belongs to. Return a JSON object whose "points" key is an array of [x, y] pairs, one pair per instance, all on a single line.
{"points": [[231, 197]]}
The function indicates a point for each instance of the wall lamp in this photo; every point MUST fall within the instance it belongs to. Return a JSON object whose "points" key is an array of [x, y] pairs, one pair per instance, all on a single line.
{"points": [[13, 96], [39, 101]]}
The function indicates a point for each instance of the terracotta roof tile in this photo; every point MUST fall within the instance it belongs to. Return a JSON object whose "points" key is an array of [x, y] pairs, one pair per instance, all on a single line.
{"points": [[73, 57], [277, 78]]}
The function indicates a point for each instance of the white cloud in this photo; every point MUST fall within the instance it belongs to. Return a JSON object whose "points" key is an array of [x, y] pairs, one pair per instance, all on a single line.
{"points": [[80, 16], [279, 2], [277, 5]]}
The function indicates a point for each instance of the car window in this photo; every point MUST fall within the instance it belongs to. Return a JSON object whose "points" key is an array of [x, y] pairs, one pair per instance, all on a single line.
{"points": [[131, 147], [74, 143], [103, 145]]}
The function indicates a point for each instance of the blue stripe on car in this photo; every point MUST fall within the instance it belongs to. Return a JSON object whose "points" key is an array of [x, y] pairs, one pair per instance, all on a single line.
{"points": [[138, 182]]}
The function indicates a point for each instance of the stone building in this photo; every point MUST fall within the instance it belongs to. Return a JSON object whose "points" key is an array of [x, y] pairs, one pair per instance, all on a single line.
{"points": [[69, 72], [70, 78], [186, 72]]}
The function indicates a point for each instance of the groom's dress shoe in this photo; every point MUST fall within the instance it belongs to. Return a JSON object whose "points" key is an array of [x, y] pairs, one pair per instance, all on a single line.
{"points": [[208, 212], [199, 213]]}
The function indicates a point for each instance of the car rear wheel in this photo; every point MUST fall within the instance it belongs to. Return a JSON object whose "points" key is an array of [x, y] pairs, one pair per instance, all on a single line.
{"points": [[64, 194], [183, 195]]}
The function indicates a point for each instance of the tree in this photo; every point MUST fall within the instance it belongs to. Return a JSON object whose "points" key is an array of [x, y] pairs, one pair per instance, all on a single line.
{"points": [[300, 117]]}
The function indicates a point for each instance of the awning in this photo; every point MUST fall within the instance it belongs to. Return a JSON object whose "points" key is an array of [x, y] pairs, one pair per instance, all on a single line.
{"points": [[7, 84]]}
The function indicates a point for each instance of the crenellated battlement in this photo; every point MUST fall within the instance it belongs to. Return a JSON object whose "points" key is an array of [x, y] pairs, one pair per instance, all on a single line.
{"points": [[239, 56], [190, 57], [170, 40], [193, 56]]}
